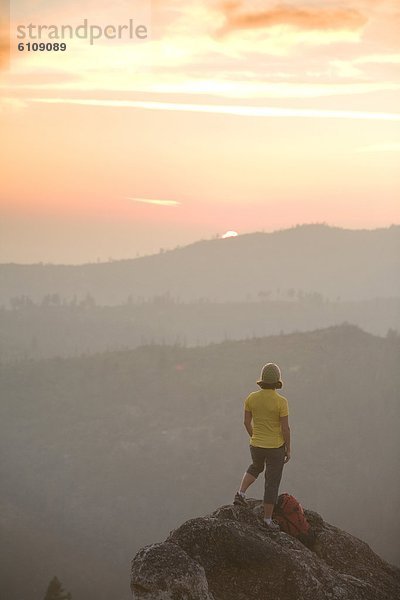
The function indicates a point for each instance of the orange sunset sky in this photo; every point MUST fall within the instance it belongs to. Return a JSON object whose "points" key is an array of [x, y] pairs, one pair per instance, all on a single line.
{"points": [[240, 116]]}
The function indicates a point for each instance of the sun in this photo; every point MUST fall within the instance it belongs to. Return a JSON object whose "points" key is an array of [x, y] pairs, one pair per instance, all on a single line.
{"points": [[229, 234]]}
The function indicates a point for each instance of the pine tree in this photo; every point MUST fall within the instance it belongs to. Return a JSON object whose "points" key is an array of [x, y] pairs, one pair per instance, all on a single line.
{"points": [[55, 591]]}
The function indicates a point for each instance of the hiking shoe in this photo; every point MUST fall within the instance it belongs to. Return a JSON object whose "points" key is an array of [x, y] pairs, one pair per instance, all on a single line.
{"points": [[272, 526], [239, 500]]}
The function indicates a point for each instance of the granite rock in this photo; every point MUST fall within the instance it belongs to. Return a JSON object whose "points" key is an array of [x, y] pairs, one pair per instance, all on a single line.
{"points": [[230, 555]]}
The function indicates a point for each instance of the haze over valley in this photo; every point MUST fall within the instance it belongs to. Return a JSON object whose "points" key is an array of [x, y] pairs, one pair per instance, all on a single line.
{"points": [[123, 383], [106, 453]]}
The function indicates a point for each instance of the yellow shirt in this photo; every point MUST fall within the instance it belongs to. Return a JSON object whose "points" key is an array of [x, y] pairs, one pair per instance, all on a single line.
{"points": [[266, 407]]}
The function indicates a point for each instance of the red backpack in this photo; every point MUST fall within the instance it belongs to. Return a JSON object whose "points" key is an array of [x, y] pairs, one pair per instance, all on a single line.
{"points": [[289, 515]]}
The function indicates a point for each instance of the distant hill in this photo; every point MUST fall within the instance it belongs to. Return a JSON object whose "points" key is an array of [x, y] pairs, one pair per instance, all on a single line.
{"points": [[106, 453], [352, 265], [51, 329]]}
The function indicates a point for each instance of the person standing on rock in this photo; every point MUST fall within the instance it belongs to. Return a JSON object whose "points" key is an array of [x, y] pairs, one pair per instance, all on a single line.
{"points": [[266, 419]]}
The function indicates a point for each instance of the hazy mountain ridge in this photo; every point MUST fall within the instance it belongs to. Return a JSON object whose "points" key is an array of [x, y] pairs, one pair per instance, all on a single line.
{"points": [[94, 445], [53, 329], [354, 265]]}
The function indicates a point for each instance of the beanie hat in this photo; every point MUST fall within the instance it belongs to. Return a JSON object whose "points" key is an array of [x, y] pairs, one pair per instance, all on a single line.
{"points": [[270, 373]]}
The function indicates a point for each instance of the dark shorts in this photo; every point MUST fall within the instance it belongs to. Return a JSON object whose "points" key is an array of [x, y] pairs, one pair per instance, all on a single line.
{"points": [[272, 459]]}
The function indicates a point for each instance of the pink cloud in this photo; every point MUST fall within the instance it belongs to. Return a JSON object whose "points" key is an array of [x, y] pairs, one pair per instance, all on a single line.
{"points": [[285, 14]]}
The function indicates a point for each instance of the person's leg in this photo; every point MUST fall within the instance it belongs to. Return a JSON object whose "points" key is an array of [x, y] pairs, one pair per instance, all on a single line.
{"points": [[256, 467], [268, 510], [247, 480], [273, 475]]}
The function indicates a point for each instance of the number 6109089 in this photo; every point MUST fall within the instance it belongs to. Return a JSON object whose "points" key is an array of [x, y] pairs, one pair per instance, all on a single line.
{"points": [[42, 47]]}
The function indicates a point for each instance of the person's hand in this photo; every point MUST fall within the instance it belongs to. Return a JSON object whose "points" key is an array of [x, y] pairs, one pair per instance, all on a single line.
{"points": [[287, 456]]}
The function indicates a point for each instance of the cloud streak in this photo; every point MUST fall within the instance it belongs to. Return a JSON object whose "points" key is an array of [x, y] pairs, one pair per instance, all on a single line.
{"points": [[307, 19], [239, 110], [155, 202]]}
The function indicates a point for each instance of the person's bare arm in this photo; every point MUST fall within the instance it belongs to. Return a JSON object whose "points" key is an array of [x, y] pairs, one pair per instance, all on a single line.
{"points": [[247, 422], [286, 436]]}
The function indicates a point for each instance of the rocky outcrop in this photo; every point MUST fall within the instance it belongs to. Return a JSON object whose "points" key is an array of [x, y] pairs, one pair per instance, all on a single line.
{"points": [[229, 555]]}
